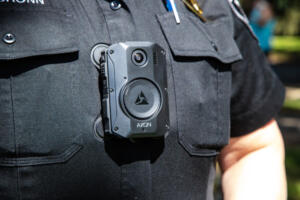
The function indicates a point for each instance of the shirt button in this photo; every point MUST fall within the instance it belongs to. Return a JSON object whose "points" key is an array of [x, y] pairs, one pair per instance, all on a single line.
{"points": [[115, 5], [9, 38]]}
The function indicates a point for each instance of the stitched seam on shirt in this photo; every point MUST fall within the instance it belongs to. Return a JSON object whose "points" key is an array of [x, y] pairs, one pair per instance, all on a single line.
{"points": [[178, 135], [15, 139], [18, 184], [218, 131], [198, 151], [107, 27], [86, 14], [66, 155]]}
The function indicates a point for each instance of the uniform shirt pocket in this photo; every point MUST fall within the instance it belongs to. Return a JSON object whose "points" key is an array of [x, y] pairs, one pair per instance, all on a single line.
{"points": [[37, 95], [202, 55]]}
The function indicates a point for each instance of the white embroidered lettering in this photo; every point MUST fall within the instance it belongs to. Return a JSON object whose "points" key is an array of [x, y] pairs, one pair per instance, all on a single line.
{"points": [[24, 1], [40, 1]]}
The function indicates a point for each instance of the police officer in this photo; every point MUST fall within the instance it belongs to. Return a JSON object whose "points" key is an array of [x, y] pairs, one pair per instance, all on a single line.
{"points": [[220, 87]]}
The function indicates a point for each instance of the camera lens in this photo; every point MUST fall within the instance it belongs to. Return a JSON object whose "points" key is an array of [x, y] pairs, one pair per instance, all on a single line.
{"points": [[139, 57]]}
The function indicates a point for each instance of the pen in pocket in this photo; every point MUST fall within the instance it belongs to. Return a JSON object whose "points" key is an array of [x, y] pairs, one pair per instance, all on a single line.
{"points": [[171, 6]]}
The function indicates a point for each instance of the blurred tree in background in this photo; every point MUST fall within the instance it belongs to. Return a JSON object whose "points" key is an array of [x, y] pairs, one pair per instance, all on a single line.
{"points": [[287, 14]]}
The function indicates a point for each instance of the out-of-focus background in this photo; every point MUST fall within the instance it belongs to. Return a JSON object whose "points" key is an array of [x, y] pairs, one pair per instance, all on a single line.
{"points": [[276, 24]]}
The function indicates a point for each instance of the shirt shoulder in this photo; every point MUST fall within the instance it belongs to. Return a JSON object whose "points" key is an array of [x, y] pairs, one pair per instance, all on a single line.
{"points": [[238, 12]]}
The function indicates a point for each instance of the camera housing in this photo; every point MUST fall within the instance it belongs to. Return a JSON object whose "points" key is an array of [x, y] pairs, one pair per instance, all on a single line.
{"points": [[134, 90]]}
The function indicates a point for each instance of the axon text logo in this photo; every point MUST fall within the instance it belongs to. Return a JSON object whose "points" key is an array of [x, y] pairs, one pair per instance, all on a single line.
{"points": [[144, 125]]}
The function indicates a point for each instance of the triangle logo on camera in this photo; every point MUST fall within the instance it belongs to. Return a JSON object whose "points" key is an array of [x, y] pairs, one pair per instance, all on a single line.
{"points": [[141, 99]]}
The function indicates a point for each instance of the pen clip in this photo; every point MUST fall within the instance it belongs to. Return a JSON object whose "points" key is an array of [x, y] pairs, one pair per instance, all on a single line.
{"points": [[196, 6]]}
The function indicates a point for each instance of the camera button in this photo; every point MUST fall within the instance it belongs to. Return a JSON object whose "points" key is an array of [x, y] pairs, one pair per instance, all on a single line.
{"points": [[142, 99]]}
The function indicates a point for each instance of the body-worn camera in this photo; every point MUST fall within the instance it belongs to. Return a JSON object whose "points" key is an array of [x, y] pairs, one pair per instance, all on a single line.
{"points": [[134, 89]]}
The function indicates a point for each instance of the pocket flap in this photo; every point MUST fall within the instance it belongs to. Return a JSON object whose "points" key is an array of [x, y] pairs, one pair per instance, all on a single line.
{"points": [[193, 38], [36, 33]]}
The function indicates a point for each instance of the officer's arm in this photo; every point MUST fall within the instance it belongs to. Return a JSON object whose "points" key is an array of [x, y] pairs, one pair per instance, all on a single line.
{"points": [[253, 166]]}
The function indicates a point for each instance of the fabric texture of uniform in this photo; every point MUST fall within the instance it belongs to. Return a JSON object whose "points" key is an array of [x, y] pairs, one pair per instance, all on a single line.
{"points": [[220, 85]]}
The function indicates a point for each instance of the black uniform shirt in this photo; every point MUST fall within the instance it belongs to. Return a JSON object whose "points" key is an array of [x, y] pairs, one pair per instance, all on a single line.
{"points": [[220, 85]]}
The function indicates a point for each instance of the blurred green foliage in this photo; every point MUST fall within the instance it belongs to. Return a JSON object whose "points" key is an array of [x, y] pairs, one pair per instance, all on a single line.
{"points": [[294, 105], [286, 44], [289, 23], [292, 163], [281, 7]]}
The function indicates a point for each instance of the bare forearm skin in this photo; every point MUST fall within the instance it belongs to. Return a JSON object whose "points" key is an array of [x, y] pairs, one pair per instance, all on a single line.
{"points": [[253, 166]]}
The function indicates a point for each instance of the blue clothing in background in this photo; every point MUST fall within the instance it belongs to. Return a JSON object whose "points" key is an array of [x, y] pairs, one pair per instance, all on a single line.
{"points": [[263, 33]]}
